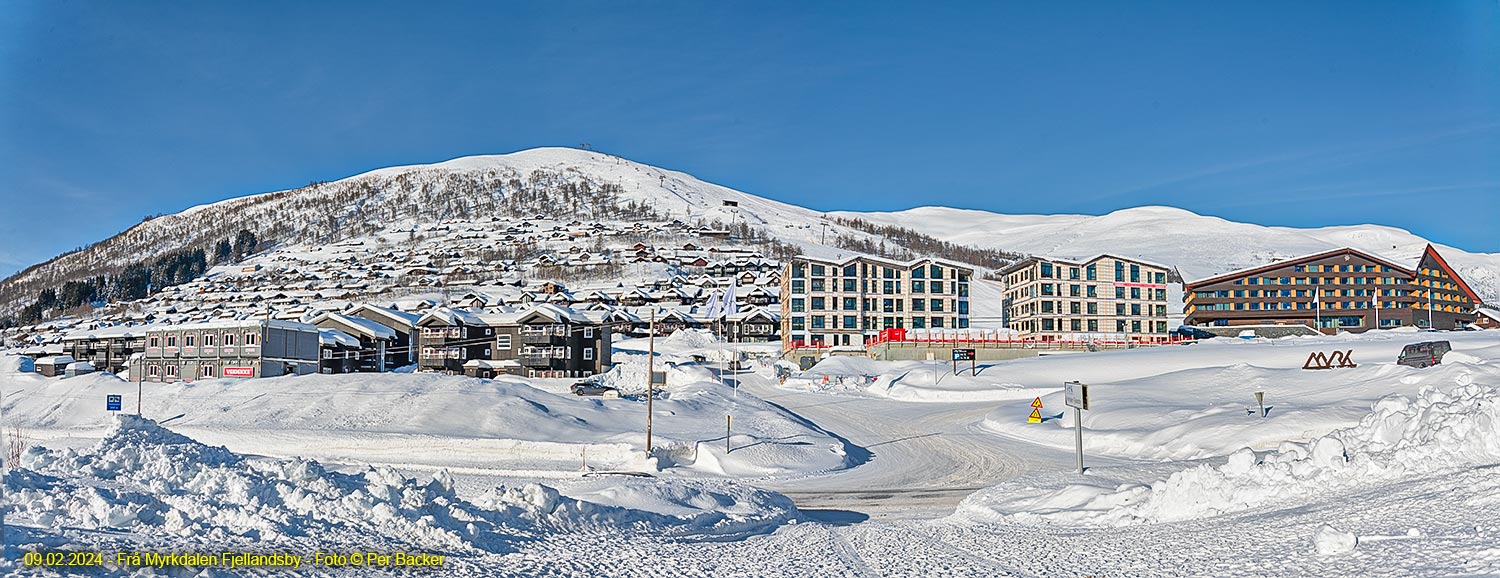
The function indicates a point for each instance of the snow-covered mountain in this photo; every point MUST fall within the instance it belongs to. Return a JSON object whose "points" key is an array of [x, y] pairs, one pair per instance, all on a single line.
{"points": [[1199, 246], [564, 183]]}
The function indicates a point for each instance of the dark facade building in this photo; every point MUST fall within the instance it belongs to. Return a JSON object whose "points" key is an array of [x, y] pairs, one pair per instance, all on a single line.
{"points": [[540, 341], [107, 348], [374, 340], [401, 351], [1339, 290]]}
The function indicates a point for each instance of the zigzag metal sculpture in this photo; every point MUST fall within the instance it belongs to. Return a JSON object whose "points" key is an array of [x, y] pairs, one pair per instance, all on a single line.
{"points": [[1318, 360]]}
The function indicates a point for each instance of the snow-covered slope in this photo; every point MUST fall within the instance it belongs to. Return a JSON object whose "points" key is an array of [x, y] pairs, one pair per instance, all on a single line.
{"points": [[1198, 245]]}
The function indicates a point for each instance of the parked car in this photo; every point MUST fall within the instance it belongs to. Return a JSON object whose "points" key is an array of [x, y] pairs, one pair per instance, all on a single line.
{"points": [[1424, 354], [590, 388]]}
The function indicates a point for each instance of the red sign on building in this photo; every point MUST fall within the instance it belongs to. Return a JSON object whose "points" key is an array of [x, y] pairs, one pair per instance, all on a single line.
{"points": [[239, 372]]}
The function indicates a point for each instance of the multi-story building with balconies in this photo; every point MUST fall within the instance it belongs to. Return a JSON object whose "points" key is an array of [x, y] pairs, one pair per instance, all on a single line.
{"points": [[540, 341], [1338, 290], [1106, 297], [847, 302]]}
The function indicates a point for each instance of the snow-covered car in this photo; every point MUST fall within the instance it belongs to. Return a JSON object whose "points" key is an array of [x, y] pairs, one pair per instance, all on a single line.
{"points": [[590, 388], [1424, 354]]}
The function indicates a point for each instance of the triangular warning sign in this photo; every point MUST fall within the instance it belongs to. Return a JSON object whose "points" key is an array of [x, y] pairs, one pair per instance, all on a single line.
{"points": [[1036, 403], [1035, 417]]}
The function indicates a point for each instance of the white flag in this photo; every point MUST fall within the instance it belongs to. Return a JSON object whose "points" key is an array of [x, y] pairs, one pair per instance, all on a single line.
{"points": [[711, 309], [730, 306]]}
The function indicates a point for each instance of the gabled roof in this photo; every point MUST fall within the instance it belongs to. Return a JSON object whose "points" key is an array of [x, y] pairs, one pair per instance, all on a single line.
{"points": [[367, 327], [884, 261], [1293, 261], [1432, 252]]}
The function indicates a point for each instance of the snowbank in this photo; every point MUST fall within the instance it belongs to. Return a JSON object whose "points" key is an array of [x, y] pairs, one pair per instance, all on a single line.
{"points": [[147, 480], [918, 381], [430, 421], [1400, 437]]}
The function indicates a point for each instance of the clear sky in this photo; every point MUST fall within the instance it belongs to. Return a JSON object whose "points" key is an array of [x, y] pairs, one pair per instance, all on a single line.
{"points": [[1284, 113]]}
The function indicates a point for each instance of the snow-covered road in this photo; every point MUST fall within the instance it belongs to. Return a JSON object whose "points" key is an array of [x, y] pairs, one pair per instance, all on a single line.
{"points": [[920, 459]]}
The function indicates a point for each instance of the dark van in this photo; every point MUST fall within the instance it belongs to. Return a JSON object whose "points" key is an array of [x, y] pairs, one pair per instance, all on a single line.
{"points": [[1424, 354]]}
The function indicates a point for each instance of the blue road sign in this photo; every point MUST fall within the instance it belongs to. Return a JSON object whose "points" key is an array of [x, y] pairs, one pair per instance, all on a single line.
{"points": [[113, 402]]}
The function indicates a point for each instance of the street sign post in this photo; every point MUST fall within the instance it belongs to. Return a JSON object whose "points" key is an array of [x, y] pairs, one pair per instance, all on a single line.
{"points": [[1076, 396], [964, 355], [113, 402]]}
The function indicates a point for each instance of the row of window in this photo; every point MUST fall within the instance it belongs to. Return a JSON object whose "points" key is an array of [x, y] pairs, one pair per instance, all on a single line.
{"points": [[1292, 306], [799, 271], [1341, 269], [1088, 308], [1321, 281], [855, 322], [1299, 293], [799, 305], [171, 371], [1091, 291], [1090, 325], [800, 286], [207, 339]]}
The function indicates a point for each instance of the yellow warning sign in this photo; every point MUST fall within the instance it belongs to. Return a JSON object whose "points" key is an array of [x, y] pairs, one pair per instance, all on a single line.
{"points": [[1036, 403], [1035, 417]]}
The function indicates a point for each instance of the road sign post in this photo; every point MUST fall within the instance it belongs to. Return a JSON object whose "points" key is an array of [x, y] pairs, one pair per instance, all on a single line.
{"points": [[1076, 395], [964, 355]]}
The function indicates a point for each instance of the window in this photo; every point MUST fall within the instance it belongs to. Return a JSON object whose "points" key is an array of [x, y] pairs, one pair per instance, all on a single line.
{"points": [[588, 333], [817, 304], [1046, 270], [1075, 325], [171, 371], [1091, 273], [817, 322], [937, 286], [153, 370], [153, 341], [798, 324], [851, 304], [937, 273], [918, 323], [209, 340], [817, 271], [917, 305], [918, 287], [850, 271], [588, 354], [851, 322], [918, 273], [189, 340], [937, 305], [799, 304], [937, 322], [252, 339], [817, 285], [849, 285], [799, 286], [171, 341], [1093, 324]]}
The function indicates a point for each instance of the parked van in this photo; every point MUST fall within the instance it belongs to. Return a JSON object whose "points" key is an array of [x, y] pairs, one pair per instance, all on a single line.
{"points": [[1424, 354]]}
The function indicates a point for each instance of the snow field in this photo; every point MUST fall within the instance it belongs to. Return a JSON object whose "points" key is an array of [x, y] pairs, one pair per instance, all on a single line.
{"points": [[1439, 429], [429, 421]]}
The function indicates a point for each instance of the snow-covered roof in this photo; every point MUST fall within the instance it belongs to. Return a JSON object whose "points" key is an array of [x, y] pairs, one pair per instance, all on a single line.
{"points": [[359, 324], [56, 360], [491, 364], [336, 337]]}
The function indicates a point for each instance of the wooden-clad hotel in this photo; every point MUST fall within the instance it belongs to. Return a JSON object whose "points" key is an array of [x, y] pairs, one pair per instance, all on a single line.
{"points": [[1339, 290]]}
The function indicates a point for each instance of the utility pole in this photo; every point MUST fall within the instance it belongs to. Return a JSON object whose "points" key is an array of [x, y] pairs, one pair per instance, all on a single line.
{"points": [[650, 374]]}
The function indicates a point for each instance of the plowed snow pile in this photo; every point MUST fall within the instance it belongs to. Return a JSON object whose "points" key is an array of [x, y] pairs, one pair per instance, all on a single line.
{"points": [[146, 480], [1401, 437]]}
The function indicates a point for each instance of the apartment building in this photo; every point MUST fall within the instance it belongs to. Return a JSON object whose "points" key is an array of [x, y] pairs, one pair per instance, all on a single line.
{"points": [[1105, 297], [540, 341], [1339, 290], [846, 302], [232, 348]]}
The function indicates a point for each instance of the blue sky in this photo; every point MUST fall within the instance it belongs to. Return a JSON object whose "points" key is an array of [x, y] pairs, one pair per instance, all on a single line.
{"points": [[1280, 113]]}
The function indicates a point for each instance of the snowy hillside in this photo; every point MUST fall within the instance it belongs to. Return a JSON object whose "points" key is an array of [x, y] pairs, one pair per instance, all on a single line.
{"points": [[1199, 246]]}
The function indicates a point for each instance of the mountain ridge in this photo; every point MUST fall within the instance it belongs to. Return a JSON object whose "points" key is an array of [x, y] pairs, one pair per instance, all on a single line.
{"points": [[586, 184]]}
